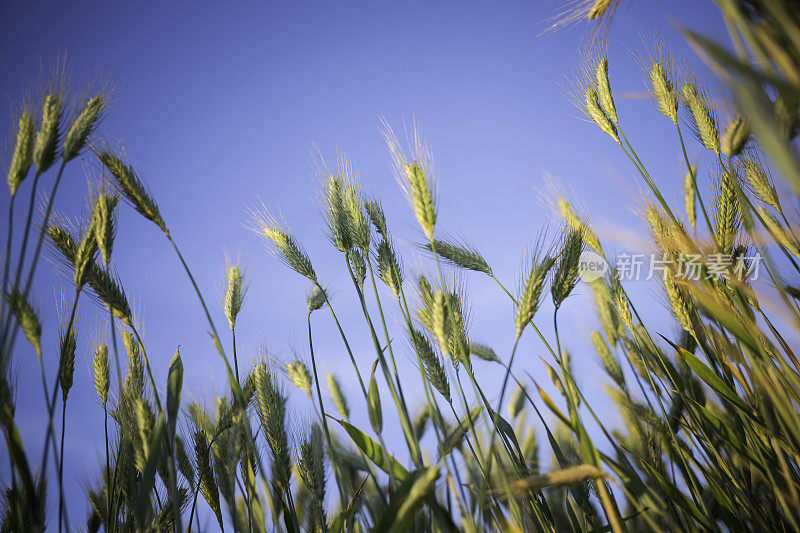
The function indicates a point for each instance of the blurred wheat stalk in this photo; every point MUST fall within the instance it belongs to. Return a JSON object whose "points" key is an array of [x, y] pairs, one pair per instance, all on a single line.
{"points": [[711, 430]]}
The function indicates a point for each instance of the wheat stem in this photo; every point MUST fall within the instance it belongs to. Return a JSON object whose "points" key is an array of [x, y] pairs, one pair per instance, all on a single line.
{"points": [[61, 466], [324, 418], [52, 404], [7, 257], [402, 411], [36, 254], [694, 179], [346, 344]]}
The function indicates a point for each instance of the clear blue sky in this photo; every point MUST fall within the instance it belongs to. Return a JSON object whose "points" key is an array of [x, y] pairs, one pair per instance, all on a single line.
{"points": [[218, 104]]}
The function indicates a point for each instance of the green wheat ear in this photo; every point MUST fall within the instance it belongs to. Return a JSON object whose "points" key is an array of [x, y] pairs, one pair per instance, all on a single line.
{"points": [[339, 399], [27, 318], [103, 222], [205, 472], [46, 147], [336, 216], [298, 374], [610, 362], [417, 178], [760, 182], [726, 216], [83, 126], [102, 379], [282, 244], [272, 413], [66, 361], [530, 299], [690, 197], [460, 254], [662, 91], [604, 90], [517, 402], [422, 197], [566, 274], [735, 137], [316, 298], [575, 223], [235, 292], [132, 187], [357, 216], [311, 468], [594, 111], [377, 217], [434, 370], [599, 9], [703, 115], [389, 267], [482, 351], [23, 153]]}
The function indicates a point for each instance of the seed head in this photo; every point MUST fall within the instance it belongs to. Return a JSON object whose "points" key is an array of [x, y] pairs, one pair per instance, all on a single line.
{"points": [[23, 153], [622, 306], [377, 217], [566, 275], [299, 375], [460, 254], [604, 90], [689, 197], [44, 150], [358, 265], [703, 116], [482, 351], [417, 177], [103, 223], [102, 380], [422, 197], [778, 232], [82, 128], [610, 363], [374, 403], [421, 421], [681, 304], [354, 207], [272, 413], [316, 298], [235, 291], [599, 9], [735, 137], [389, 267], [205, 473], [132, 187], [134, 379], [433, 367], [311, 468], [66, 362], [339, 399], [442, 325], [340, 230], [84, 257], [517, 402], [530, 298], [286, 248], [726, 219], [575, 223], [760, 183], [596, 114], [27, 319], [663, 92]]}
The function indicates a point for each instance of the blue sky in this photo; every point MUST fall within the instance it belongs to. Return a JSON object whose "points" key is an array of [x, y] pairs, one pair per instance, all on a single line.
{"points": [[219, 105]]}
